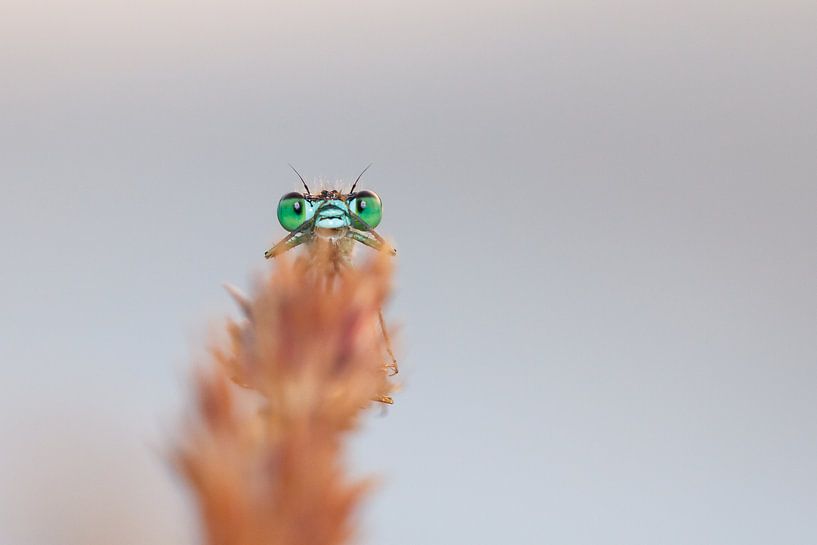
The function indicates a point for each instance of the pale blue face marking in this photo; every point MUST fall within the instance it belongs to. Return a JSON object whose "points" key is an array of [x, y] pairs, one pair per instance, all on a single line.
{"points": [[332, 214]]}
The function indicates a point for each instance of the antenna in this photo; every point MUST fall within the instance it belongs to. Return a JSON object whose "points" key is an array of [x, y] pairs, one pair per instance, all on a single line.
{"points": [[302, 178], [358, 178]]}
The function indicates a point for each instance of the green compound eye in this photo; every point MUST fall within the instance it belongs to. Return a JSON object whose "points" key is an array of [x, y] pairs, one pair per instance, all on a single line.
{"points": [[293, 211], [367, 206]]}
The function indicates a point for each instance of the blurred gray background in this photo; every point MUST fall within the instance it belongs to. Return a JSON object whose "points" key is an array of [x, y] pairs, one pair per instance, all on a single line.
{"points": [[607, 283]]}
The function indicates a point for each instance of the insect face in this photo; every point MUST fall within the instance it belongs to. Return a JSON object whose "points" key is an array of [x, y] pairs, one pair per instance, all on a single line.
{"points": [[362, 210]]}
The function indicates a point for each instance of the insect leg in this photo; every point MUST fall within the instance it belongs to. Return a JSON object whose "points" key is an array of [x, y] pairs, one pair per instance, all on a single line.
{"points": [[386, 340], [393, 365], [287, 243], [369, 242], [377, 243]]}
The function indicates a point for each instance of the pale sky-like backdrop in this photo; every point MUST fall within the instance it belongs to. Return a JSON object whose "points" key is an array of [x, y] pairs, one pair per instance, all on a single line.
{"points": [[606, 214]]}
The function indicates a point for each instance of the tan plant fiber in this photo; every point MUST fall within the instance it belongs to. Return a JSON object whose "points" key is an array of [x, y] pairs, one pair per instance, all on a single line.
{"points": [[267, 469]]}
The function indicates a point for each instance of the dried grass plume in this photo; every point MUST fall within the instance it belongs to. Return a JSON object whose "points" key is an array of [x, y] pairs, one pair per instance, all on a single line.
{"points": [[266, 465]]}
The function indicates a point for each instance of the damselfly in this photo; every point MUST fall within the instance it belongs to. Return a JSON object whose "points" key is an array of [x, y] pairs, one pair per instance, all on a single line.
{"points": [[335, 219]]}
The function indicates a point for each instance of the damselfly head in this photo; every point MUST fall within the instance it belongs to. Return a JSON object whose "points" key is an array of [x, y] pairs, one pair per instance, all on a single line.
{"points": [[330, 209], [331, 215]]}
